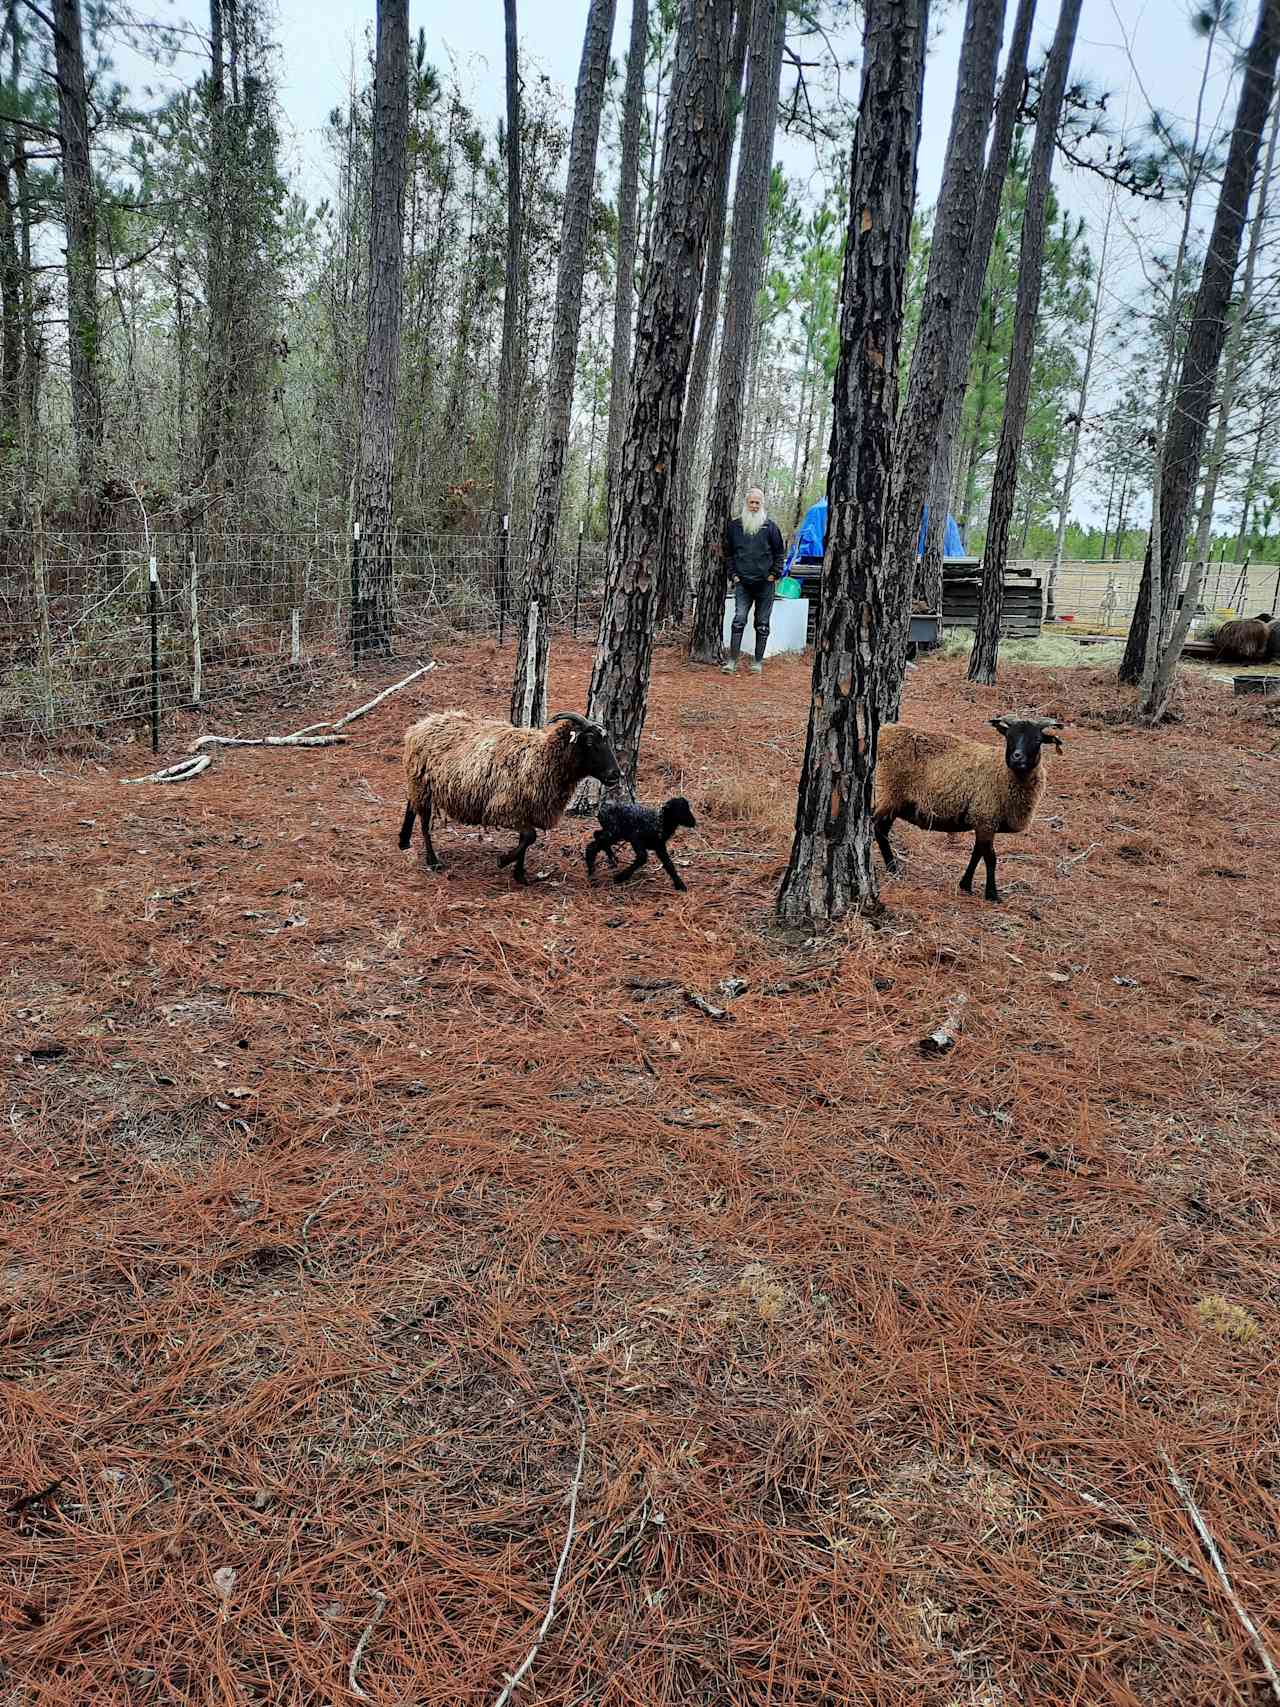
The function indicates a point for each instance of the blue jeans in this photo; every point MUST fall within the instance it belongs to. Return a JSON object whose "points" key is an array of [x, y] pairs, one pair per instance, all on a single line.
{"points": [[745, 595]]}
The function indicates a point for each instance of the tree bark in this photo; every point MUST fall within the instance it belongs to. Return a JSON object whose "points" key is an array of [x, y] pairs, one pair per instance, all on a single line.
{"points": [[508, 367], [373, 613], [969, 306], [628, 229], [529, 681], [664, 340], [830, 869], [11, 436], [84, 332], [1077, 426], [986, 644], [1189, 416], [746, 264], [941, 309], [674, 591]]}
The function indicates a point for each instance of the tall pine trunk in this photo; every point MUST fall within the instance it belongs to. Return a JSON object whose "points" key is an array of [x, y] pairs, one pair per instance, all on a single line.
{"points": [[830, 869], [969, 307], [11, 435], [84, 331], [986, 643], [640, 515], [509, 365], [1189, 417], [529, 682], [373, 612], [940, 311], [675, 577], [1077, 425], [628, 229], [746, 265]]}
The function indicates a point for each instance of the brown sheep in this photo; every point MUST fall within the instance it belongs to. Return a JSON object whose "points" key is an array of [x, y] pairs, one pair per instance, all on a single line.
{"points": [[480, 770], [943, 782], [1273, 642], [1244, 640]]}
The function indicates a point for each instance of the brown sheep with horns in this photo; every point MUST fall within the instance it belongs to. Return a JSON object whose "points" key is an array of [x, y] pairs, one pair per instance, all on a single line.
{"points": [[943, 782], [479, 770], [1247, 639]]}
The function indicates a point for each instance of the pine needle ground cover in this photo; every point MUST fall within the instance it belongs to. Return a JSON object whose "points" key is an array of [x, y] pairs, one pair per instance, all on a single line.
{"points": [[365, 1231]]}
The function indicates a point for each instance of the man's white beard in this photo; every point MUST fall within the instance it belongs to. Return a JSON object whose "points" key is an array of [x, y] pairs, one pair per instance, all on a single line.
{"points": [[754, 520]]}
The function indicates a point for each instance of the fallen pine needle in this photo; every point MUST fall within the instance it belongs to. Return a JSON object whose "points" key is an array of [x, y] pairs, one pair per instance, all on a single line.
{"points": [[513, 1681], [352, 1685], [1215, 1558]]}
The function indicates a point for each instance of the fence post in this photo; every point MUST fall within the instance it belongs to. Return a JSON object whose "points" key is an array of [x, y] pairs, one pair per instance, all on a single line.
{"points": [[295, 648], [42, 613], [153, 610], [197, 654], [577, 581], [355, 594], [502, 581]]}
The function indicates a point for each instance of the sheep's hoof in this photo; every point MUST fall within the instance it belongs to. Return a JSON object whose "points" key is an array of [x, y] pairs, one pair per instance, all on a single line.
{"points": [[992, 895], [965, 888], [682, 887]]}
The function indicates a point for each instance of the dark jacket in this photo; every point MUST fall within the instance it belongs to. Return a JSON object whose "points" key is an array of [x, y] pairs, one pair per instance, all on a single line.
{"points": [[753, 556]]}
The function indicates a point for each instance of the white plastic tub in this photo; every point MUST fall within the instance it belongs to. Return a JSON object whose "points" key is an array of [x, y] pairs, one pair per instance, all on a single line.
{"points": [[787, 627]]}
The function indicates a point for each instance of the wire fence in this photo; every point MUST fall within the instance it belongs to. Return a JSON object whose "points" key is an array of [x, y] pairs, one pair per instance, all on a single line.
{"points": [[98, 629], [1103, 595]]}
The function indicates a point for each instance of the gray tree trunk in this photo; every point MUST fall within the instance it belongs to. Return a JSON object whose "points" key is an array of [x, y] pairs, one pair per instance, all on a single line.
{"points": [[508, 367], [664, 343], [968, 308], [830, 868], [529, 682], [1069, 478], [373, 613], [940, 310], [986, 643], [746, 264], [628, 229], [675, 577], [1189, 416], [84, 331]]}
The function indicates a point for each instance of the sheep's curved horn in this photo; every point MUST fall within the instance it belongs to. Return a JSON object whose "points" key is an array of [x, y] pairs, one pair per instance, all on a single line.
{"points": [[572, 717], [1043, 723]]}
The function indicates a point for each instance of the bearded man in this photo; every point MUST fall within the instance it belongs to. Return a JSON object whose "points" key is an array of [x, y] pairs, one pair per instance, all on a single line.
{"points": [[753, 550]]}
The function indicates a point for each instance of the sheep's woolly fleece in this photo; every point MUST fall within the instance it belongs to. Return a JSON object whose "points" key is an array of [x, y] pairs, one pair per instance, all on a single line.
{"points": [[332, 1187], [482, 771], [955, 780]]}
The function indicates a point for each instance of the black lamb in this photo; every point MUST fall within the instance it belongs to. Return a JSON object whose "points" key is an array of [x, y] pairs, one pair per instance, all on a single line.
{"points": [[648, 831]]}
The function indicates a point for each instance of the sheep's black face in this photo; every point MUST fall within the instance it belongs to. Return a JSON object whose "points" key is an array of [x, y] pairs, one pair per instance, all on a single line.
{"points": [[679, 814], [1023, 739], [595, 756]]}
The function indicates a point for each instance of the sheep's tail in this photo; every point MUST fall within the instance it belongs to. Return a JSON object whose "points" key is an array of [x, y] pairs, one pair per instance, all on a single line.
{"points": [[406, 829]]}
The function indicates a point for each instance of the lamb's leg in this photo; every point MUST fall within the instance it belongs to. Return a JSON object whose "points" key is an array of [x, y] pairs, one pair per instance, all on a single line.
{"points": [[433, 858], [406, 829], [672, 873], [595, 847], [516, 856], [882, 828], [630, 870]]}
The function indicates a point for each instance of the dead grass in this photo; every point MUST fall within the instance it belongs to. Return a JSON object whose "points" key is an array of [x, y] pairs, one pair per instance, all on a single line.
{"points": [[321, 1171]]}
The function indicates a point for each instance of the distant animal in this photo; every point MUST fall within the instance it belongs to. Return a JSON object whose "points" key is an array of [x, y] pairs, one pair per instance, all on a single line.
{"points": [[480, 770], [1244, 640], [1273, 641], [944, 782], [646, 829]]}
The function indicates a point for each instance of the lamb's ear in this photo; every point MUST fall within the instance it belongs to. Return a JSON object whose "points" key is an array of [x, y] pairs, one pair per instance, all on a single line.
{"points": [[1000, 723]]}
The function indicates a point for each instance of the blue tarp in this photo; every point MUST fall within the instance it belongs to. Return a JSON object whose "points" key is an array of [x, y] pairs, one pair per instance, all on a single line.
{"points": [[812, 534]]}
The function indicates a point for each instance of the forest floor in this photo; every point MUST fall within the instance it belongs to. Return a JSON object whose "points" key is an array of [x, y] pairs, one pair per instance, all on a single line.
{"points": [[344, 1205]]}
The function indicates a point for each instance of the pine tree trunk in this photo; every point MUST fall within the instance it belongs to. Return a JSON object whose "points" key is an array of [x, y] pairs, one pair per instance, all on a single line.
{"points": [[1069, 478], [941, 310], [746, 264], [11, 310], [373, 612], [84, 332], [509, 366], [1183, 445], [628, 227], [675, 579], [529, 681], [217, 260], [986, 643], [830, 869], [664, 341], [969, 307]]}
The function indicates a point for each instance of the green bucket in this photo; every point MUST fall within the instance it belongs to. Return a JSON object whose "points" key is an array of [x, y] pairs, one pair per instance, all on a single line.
{"points": [[788, 588]]}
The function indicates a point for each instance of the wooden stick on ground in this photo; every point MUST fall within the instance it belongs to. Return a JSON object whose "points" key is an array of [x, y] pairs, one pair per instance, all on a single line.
{"points": [[385, 694], [183, 771], [266, 741], [352, 1685], [1215, 1559]]}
